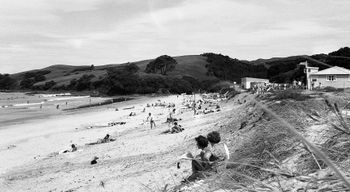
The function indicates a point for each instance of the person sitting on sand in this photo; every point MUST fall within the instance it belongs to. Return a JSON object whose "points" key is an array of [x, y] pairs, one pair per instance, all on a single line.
{"points": [[94, 161], [206, 111], [220, 153], [200, 163], [73, 148], [106, 139], [151, 120], [218, 108], [176, 128], [171, 116]]}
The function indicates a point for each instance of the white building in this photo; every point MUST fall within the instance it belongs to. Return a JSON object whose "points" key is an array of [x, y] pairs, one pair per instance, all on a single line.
{"points": [[246, 81]]}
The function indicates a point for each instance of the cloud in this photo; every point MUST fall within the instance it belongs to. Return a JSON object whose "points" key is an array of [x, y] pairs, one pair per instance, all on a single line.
{"points": [[39, 33]]}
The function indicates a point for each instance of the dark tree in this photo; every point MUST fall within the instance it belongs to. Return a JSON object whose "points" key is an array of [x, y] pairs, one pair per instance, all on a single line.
{"points": [[162, 65], [345, 51], [39, 78], [226, 68], [49, 85], [27, 83], [131, 68], [84, 82], [6, 82]]}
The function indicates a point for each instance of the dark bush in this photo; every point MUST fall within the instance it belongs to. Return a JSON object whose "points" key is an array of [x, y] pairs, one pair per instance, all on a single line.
{"points": [[49, 85], [331, 89], [84, 82], [39, 78], [35, 74], [27, 83]]}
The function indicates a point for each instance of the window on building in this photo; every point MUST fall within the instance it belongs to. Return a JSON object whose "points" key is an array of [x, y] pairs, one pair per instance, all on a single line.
{"points": [[331, 78]]}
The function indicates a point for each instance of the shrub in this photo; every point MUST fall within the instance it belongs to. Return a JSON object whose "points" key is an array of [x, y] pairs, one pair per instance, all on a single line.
{"points": [[329, 89], [49, 85], [27, 83], [291, 94], [84, 82]]}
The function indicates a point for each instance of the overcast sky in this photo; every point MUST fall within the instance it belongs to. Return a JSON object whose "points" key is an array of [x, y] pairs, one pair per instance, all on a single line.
{"points": [[39, 33]]}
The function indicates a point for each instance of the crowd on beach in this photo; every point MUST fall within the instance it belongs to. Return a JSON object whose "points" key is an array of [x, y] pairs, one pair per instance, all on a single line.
{"points": [[260, 88], [212, 152]]}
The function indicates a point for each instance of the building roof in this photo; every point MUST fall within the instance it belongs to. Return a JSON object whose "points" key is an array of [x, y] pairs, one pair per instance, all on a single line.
{"points": [[333, 71], [254, 79]]}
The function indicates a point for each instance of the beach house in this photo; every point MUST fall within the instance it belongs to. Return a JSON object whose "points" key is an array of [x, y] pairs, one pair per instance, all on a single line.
{"points": [[337, 77]]}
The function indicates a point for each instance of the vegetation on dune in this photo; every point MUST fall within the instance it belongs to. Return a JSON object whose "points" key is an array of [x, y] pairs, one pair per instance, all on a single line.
{"points": [[305, 147], [292, 94]]}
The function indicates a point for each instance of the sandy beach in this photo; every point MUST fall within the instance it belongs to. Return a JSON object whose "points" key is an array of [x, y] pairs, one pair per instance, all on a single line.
{"points": [[140, 158]]}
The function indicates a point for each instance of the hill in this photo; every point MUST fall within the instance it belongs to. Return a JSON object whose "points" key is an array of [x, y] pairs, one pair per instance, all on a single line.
{"points": [[169, 74], [190, 73]]}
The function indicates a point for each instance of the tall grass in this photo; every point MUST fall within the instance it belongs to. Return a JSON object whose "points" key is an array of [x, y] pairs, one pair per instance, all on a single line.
{"points": [[290, 94], [228, 179], [311, 146]]}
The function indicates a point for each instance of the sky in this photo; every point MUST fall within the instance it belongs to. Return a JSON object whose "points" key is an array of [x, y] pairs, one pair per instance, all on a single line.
{"points": [[39, 33]]}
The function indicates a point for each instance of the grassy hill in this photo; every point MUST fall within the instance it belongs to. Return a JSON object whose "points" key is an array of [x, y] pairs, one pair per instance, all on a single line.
{"points": [[191, 65], [192, 72]]}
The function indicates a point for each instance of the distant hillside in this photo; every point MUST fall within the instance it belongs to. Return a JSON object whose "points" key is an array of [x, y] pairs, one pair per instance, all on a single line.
{"points": [[285, 70], [169, 74]]}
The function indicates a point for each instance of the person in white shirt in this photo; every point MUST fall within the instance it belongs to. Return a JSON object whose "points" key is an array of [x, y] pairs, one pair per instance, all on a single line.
{"points": [[151, 120]]}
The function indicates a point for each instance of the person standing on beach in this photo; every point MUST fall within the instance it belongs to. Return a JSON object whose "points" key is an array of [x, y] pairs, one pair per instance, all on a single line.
{"points": [[151, 120]]}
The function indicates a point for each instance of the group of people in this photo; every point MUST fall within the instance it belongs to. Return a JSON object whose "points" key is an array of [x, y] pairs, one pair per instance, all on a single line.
{"points": [[160, 104], [212, 157], [263, 88]]}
